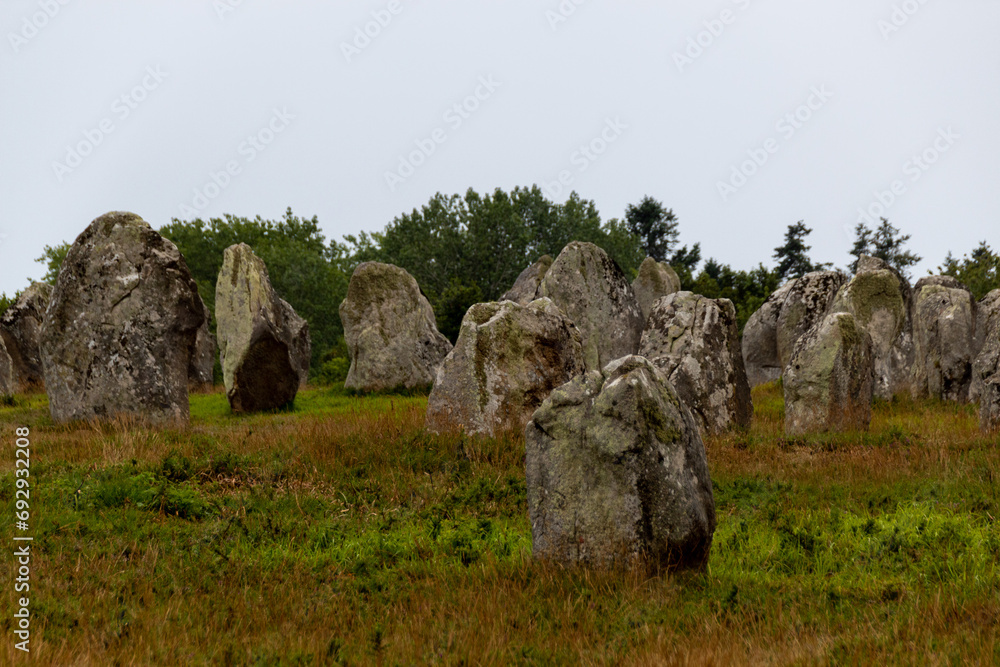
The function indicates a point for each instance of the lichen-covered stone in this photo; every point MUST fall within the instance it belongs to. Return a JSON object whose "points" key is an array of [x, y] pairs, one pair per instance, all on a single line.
{"points": [[202, 366], [21, 330], [7, 386], [695, 342], [525, 288], [829, 381], [655, 280], [390, 330], [263, 343], [944, 321], [507, 360], [616, 470], [986, 366], [880, 299], [806, 304], [590, 288], [760, 339], [120, 325]]}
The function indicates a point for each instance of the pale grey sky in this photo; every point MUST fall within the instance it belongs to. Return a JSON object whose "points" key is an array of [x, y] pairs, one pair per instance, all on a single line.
{"points": [[184, 109]]}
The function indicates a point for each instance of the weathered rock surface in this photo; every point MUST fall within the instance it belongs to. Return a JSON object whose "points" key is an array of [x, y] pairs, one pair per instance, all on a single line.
{"points": [[986, 366], [987, 330], [120, 325], [507, 360], [829, 382], [616, 469], [7, 385], [390, 330], [806, 304], [263, 344], [202, 366], [655, 280], [944, 321], [695, 342], [21, 330], [880, 299], [526, 286], [590, 288], [760, 339]]}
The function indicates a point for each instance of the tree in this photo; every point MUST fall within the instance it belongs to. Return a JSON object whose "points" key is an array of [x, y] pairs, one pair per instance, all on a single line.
{"points": [[53, 257], [684, 262], [655, 225], [793, 260], [980, 272], [886, 243]]}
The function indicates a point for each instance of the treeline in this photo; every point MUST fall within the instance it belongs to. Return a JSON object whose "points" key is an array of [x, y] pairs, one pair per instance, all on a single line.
{"points": [[465, 249]]}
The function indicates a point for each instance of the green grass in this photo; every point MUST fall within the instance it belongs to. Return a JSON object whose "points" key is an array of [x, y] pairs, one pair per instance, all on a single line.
{"points": [[340, 532]]}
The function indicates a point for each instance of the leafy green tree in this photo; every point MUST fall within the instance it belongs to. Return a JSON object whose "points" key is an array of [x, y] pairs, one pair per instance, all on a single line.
{"points": [[684, 262], [980, 272], [886, 243], [792, 257], [655, 225], [52, 257]]}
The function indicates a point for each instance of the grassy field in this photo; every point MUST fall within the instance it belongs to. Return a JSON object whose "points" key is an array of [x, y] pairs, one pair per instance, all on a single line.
{"points": [[342, 533]]}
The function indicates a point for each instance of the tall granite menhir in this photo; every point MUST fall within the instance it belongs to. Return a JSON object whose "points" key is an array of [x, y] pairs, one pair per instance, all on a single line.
{"points": [[390, 331], [695, 342], [616, 471], [21, 330], [590, 288], [507, 360], [120, 325], [264, 345]]}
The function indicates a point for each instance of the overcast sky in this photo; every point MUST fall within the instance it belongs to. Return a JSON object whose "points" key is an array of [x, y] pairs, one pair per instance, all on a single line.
{"points": [[744, 116]]}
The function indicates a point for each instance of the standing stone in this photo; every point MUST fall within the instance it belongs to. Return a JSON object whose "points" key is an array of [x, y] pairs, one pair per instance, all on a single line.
{"points": [[526, 286], [201, 374], [590, 288], [507, 360], [987, 331], [21, 330], [695, 342], [389, 326], [807, 303], [263, 343], [880, 299], [616, 470], [760, 339], [7, 384], [120, 325], [655, 280], [829, 381], [944, 321]]}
